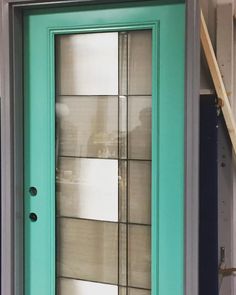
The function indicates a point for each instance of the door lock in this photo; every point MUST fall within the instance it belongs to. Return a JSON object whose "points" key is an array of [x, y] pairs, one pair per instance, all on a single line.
{"points": [[33, 217], [33, 191]]}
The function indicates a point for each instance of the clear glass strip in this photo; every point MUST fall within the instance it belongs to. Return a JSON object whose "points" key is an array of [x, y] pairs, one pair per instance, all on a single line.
{"points": [[123, 63], [123, 128], [123, 191], [123, 254]]}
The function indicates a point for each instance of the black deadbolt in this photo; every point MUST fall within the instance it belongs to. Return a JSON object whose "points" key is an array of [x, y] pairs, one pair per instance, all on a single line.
{"points": [[33, 191], [33, 217]]}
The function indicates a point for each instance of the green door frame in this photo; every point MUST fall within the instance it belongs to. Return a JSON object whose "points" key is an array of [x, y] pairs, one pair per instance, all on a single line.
{"points": [[167, 23]]}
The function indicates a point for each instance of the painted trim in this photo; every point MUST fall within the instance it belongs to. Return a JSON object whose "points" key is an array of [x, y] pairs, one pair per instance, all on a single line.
{"points": [[154, 26], [67, 3], [192, 130]]}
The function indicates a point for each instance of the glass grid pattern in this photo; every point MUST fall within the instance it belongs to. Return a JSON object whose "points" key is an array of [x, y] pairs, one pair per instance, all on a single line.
{"points": [[105, 245]]}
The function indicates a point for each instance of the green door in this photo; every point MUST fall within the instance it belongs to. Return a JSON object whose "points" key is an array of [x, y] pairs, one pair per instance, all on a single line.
{"points": [[104, 149]]}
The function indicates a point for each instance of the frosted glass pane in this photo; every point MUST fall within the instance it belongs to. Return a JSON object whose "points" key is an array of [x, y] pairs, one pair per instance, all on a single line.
{"points": [[87, 126], [88, 250], [88, 188], [77, 287], [139, 256], [87, 64], [140, 192], [140, 62], [140, 129], [133, 291], [123, 291]]}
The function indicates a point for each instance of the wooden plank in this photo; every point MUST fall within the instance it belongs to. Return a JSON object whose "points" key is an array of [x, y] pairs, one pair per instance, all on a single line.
{"points": [[218, 81], [225, 45]]}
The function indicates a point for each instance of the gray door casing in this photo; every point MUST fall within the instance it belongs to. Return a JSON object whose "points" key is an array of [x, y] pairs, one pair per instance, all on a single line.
{"points": [[11, 94]]}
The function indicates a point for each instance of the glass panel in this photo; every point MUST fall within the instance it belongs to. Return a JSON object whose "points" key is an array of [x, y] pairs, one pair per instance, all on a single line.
{"points": [[88, 188], [87, 64], [123, 254], [87, 126], [77, 287], [123, 291], [123, 191], [123, 126], [140, 63], [133, 291], [140, 132], [103, 157], [140, 192], [139, 256], [123, 63], [88, 250]]}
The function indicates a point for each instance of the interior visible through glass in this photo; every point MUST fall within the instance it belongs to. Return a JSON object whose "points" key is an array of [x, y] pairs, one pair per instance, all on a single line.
{"points": [[103, 163]]}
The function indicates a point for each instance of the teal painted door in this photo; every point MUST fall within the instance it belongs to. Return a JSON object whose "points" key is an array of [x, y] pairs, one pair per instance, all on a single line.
{"points": [[104, 149]]}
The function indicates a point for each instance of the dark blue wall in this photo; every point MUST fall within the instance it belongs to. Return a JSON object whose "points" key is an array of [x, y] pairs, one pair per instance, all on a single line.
{"points": [[208, 209]]}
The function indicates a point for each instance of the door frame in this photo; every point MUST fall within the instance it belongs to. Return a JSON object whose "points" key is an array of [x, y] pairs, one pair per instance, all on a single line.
{"points": [[11, 12], [167, 126]]}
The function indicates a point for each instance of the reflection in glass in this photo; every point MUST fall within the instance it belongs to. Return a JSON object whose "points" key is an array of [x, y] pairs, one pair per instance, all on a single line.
{"points": [[88, 188], [87, 126], [103, 157], [140, 132]]}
